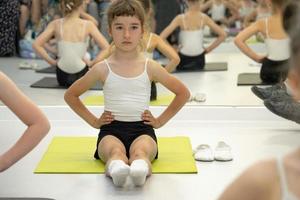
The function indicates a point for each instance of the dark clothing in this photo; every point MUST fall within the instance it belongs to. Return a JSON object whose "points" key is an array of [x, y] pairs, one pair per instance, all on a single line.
{"points": [[126, 132], [190, 63], [273, 72], [66, 79]]}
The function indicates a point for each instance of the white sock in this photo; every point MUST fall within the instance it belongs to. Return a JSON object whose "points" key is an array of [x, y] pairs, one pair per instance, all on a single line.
{"points": [[118, 170], [139, 170]]}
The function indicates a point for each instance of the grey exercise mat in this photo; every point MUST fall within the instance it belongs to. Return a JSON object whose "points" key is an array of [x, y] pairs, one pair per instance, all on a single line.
{"points": [[214, 66], [24, 198], [250, 79], [51, 82], [47, 70]]}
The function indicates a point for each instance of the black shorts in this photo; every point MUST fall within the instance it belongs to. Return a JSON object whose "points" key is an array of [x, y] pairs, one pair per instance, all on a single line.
{"points": [[66, 79], [126, 132], [190, 63], [273, 72]]}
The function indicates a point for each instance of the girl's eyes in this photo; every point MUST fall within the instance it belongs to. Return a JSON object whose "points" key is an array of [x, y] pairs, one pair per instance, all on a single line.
{"points": [[132, 27]]}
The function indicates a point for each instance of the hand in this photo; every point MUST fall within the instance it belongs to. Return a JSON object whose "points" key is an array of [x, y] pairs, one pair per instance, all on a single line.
{"points": [[260, 58], [148, 118], [106, 118]]}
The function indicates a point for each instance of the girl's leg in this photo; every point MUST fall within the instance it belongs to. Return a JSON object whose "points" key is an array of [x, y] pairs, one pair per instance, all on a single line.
{"points": [[36, 9], [112, 151], [24, 16], [142, 151]]}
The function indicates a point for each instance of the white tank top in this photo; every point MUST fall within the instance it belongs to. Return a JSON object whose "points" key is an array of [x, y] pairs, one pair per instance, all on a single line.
{"points": [[218, 12], [127, 98], [286, 194], [147, 53], [191, 41], [71, 53], [278, 49]]}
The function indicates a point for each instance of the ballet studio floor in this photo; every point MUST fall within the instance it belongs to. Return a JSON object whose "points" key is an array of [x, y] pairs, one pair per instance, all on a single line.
{"points": [[231, 113]]}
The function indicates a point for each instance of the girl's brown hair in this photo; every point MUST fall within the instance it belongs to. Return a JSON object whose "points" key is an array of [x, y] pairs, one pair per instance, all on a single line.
{"points": [[125, 8], [68, 6]]}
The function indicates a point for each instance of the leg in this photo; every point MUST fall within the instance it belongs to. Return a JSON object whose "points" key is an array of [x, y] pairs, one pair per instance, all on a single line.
{"points": [[142, 151], [112, 151], [36, 9], [24, 11]]}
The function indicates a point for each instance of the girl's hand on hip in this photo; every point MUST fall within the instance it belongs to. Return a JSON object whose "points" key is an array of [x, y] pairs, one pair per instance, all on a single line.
{"points": [[148, 118]]}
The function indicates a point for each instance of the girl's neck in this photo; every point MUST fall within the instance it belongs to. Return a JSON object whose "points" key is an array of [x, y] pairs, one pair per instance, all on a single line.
{"points": [[126, 55], [194, 7], [74, 14]]}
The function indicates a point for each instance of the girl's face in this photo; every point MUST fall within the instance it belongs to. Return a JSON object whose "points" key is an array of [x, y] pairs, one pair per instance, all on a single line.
{"points": [[126, 32]]}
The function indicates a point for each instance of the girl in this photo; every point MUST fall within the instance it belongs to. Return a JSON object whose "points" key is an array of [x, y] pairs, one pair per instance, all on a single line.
{"points": [[275, 178], [191, 51], [261, 12], [127, 142], [218, 10], [273, 68], [72, 35], [36, 122]]}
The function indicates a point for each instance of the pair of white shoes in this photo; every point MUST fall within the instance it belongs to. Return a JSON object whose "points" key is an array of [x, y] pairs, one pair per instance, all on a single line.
{"points": [[198, 97], [119, 171], [222, 152]]}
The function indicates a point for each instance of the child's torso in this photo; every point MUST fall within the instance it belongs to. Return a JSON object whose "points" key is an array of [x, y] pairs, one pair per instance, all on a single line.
{"points": [[72, 45], [127, 97]]}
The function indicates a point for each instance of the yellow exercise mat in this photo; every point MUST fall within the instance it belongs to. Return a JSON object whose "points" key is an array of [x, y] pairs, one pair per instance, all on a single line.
{"points": [[98, 100], [74, 155]]}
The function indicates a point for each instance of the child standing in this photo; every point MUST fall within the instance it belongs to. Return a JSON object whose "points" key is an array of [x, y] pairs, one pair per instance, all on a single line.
{"points": [[274, 64], [127, 142], [72, 34], [191, 50]]}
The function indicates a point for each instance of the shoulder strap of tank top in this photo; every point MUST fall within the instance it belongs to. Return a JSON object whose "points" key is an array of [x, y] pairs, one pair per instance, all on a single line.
{"points": [[149, 41], [146, 64], [84, 30], [183, 21], [61, 28], [202, 19], [106, 62], [282, 177], [267, 27]]}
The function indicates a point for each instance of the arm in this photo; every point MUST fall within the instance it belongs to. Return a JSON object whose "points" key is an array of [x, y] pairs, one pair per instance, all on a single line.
{"points": [[207, 5], [217, 29], [79, 87], [86, 16], [170, 28], [167, 51], [240, 41], [253, 184], [181, 92], [42, 39], [101, 41], [249, 18], [36, 122]]}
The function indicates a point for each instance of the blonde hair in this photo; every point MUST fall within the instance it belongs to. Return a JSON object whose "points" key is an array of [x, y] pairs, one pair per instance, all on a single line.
{"points": [[68, 6], [149, 19]]}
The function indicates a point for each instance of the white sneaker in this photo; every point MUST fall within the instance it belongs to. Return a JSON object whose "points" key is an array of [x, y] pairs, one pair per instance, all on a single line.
{"points": [[199, 97], [25, 65], [223, 152], [204, 153]]}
